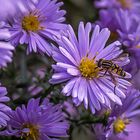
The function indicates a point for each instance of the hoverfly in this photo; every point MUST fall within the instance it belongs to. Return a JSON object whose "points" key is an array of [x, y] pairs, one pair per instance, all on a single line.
{"points": [[110, 67]]}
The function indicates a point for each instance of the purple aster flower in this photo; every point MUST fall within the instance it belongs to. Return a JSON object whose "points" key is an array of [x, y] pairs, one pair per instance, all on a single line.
{"points": [[121, 117], [3, 108], [109, 22], [8, 8], [136, 80], [113, 3], [131, 5], [36, 26], [5, 48], [129, 34], [77, 64], [134, 127], [37, 121], [126, 28]]}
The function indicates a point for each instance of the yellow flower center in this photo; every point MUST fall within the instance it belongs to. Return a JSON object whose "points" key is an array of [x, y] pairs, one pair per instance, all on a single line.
{"points": [[125, 3], [119, 126], [88, 68], [33, 133], [31, 23]]}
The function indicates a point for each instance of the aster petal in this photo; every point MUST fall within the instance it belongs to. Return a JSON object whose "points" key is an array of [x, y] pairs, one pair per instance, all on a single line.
{"points": [[67, 55], [71, 49], [94, 103], [4, 34], [4, 99], [82, 89], [107, 102], [124, 82], [134, 113], [112, 87], [69, 86], [73, 71], [24, 38], [82, 40], [33, 43], [131, 106], [48, 117], [72, 37], [100, 42], [41, 44], [86, 99], [76, 87], [98, 94], [57, 56], [94, 35], [56, 26], [65, 66], [60, 77], [6, 46], [109, 50], [87, 34]]}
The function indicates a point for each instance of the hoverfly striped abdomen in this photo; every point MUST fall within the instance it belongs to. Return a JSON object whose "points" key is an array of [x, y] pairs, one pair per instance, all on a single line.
{"points": [[118, 70], [108, 65]]}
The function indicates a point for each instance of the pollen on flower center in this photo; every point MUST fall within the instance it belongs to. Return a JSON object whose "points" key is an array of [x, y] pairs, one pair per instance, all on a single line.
{"points": [[31, 23], [125, 3], [119, 126], [33, 133], [88, 68]]}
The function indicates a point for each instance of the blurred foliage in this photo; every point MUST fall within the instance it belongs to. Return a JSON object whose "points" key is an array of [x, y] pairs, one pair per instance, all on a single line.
{"points": [[80, 10]]}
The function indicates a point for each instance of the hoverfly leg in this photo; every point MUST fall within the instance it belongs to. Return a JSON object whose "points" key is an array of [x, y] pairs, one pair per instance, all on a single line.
{"points": [[115, 89], [104, 72], [114, 81]]}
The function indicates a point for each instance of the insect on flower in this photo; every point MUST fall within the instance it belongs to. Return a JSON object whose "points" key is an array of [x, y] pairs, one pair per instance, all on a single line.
{"points": [[77, 64], [111, 68]]}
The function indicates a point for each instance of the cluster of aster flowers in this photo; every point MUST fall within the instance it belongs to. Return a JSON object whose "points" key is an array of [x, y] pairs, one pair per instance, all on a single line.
{"points": [[37, 121], [120, 117], [93, 68], [123, 21]]}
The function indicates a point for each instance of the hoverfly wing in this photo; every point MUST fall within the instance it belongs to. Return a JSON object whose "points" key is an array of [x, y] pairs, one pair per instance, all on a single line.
{"points": [[122, 59]]}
